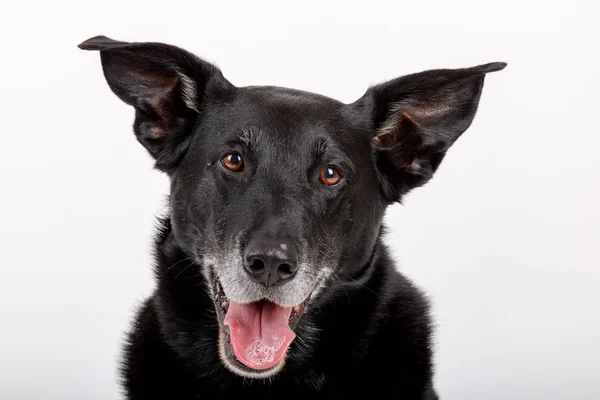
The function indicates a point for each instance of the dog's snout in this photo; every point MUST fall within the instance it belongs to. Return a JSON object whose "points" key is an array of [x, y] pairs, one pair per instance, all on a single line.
{"points": [[271, 261]]}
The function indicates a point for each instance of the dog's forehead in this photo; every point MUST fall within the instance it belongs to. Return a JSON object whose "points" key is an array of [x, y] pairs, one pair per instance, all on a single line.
{"points": [[289, 114], [276, 95]]}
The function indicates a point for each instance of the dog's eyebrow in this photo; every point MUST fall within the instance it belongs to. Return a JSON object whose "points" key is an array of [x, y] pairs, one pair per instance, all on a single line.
{"points": [[325, 150], [249, 137], [320, 148]]}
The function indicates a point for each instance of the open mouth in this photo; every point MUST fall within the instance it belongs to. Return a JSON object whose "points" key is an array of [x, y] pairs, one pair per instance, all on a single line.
{"points": [[255, 337]]}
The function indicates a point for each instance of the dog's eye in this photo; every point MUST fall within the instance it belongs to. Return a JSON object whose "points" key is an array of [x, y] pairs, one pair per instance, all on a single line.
{"points": [[330, 176], [233, 162]]}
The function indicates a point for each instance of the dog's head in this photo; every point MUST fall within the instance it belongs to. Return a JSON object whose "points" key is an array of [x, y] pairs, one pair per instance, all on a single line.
{"points": [[275, 191]]}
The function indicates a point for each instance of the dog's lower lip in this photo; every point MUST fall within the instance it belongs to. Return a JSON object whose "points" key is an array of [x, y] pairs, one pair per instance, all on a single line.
{"points": [[220, 299]]}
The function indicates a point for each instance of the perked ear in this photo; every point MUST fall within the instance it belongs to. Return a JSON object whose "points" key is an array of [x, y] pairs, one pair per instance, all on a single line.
{"points": [[416, 118], [165, 84]]}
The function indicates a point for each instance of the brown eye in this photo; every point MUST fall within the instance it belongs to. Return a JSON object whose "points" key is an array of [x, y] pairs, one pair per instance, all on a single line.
{"points": [[233, 162], [330, 176]]}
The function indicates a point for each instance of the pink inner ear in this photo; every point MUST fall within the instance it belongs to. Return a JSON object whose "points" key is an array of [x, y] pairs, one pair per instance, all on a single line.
{"points": [[162, 83], [400, 129], [423, 111], [156, 132], [414, 166], [151, 130], [400, 136], [160, 94]]}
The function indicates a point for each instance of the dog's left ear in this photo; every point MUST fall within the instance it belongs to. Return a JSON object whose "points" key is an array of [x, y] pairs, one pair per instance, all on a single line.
{"points": [[416, 118]]}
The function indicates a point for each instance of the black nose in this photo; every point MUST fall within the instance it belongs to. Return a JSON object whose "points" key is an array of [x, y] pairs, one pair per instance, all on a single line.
{"points": [[271, 261]]}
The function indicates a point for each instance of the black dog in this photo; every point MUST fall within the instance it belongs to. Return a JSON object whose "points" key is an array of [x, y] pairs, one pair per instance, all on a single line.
{"points": [[272, 279]]}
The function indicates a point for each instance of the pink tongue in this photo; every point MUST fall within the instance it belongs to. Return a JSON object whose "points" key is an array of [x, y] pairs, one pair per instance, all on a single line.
{"points": [[260, 333]]}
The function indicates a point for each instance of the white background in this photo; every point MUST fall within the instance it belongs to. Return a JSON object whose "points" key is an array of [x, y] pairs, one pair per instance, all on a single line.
{"points": [[504, 239]]}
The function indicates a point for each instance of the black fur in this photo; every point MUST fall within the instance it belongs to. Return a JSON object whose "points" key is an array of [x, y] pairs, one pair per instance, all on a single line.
{"points": [[368, 332]]}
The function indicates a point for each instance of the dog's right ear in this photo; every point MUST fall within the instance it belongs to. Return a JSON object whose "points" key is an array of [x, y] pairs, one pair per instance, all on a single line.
{"points": [[166, 85]]}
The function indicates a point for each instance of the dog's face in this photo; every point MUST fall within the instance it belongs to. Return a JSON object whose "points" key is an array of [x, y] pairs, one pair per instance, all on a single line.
{"points": [[268, 192], [266, 198], [277, 192]]}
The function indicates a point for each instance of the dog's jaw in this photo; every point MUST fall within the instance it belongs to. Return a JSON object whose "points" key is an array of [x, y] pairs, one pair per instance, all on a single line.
{"points": [[225, 350], [226, 281]]}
